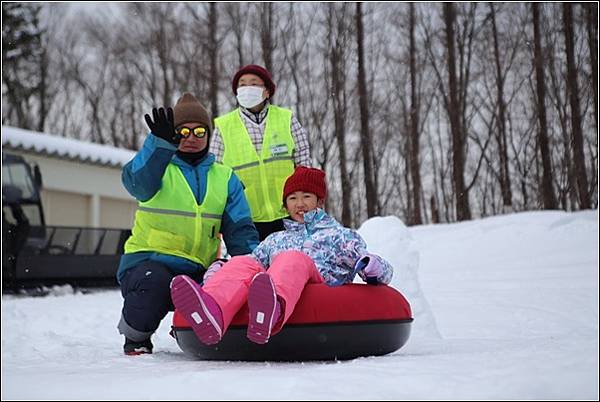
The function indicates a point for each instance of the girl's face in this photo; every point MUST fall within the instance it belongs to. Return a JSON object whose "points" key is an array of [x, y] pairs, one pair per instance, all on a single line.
{"points": [[298, 203]]}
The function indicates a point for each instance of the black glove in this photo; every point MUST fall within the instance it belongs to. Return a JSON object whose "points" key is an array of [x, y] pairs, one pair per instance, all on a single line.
{"points": [[163, 125]]}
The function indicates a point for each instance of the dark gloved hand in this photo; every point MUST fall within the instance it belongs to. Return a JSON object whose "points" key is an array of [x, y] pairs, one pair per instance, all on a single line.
{"points": [[163, 125]]}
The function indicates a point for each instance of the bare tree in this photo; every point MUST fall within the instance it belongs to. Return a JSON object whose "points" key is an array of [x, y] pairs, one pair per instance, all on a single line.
{"points": [[159, 55], [577, 135], [296, 48], [563, 168], [548, 198], [381, 106], [591, 16], [206, 41], [525, 157], [213, 54], [501, 120], [365, 138], [24, 66], [265, 27], [506, 134], [236, 24], [90, 72], [414, 133], [338, 41], [463, 210]]}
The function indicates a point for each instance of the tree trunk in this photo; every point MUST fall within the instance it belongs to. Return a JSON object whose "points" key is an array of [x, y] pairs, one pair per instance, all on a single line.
{"points": [[415, 104], [165, 63], [365, 135], [338, 78], [213, 47], [405, 154], [505, 185], [435, 214], [43, 91], [236, 18], [266, 31], [591, 15], [573, 90], [463, 210], [548, 197]]}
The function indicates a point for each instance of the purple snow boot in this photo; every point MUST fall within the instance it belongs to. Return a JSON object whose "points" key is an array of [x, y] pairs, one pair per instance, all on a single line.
{"points": [[198, 308], [264, 309]]}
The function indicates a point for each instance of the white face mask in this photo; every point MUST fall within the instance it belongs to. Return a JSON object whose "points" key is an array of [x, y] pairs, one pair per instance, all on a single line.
{"points": [[249, 97]]}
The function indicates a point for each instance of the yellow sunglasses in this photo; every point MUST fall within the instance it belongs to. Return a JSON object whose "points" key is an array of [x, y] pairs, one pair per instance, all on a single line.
{"points": [[185, 132]]}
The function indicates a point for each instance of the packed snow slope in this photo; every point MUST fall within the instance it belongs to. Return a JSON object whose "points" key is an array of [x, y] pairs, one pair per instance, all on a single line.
{"points": [[505, 308]]}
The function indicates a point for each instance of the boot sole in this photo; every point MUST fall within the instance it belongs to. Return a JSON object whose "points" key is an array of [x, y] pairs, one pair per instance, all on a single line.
{"points": [[262, 300], [138, 352], [187, 299]]}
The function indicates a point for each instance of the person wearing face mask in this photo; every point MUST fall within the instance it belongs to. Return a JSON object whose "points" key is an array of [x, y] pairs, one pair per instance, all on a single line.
{"points": [[262, 143], [185, 200], [313, 248]]}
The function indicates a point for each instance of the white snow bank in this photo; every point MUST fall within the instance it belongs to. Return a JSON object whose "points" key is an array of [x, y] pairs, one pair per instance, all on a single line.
{"points": [[399, 248]]}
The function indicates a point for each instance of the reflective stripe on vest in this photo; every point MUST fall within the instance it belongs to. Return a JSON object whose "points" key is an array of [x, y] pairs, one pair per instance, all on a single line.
{"points": [[264, 175], [172, 223]]}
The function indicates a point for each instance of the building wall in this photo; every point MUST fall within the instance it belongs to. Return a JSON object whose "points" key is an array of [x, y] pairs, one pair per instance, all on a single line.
{"points": [[65, 208], [79, 194], [115, 213]]}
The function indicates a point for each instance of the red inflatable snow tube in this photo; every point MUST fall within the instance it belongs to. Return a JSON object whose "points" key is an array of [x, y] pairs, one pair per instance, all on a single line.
{"points": [[328, 323]]}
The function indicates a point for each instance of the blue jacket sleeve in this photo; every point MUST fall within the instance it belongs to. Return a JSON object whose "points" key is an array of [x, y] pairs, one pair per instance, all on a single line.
{"points": [[239, 233], [142, 176]]}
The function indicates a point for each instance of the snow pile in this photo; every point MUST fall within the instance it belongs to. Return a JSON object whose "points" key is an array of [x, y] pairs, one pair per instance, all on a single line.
{"points": [[401, 251]]}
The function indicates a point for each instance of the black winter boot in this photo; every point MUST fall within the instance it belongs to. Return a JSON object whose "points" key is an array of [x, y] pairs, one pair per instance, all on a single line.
{"points": [[133, 348]]}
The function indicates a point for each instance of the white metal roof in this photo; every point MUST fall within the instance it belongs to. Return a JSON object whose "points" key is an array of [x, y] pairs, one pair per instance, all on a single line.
{"points": [[64, 148]]}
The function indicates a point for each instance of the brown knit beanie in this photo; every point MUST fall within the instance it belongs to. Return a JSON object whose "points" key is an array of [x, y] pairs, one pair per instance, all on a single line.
{"points": [[188, 109]]}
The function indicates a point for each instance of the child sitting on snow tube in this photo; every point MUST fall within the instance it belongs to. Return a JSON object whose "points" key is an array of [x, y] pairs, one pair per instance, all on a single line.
{"points": [[313, 248]]}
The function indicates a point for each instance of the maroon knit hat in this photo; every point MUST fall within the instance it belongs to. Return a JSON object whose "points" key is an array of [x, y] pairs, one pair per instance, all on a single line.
{"points": [[306, 179], [256, 70]]}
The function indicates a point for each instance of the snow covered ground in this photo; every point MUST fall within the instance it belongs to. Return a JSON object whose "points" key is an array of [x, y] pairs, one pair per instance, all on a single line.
{"points": [[505, 308]]}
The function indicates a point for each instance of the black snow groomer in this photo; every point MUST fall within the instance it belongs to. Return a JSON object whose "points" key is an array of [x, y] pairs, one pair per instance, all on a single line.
{"points": [[328, 323], [36, 255]]}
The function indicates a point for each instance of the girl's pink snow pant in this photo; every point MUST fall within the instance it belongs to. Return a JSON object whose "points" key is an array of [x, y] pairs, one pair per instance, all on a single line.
{"points": [[289, 271]]}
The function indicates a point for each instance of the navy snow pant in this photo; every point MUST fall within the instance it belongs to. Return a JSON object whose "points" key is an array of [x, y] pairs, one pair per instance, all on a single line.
{"points": [[147, 299]]}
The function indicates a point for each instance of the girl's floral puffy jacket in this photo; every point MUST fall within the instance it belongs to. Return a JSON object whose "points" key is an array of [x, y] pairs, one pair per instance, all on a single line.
{"points": [[338, 252]]}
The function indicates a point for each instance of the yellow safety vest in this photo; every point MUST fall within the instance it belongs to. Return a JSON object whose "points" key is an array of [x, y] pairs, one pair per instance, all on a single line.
{"points": [[264, 175], [171, 222]]}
